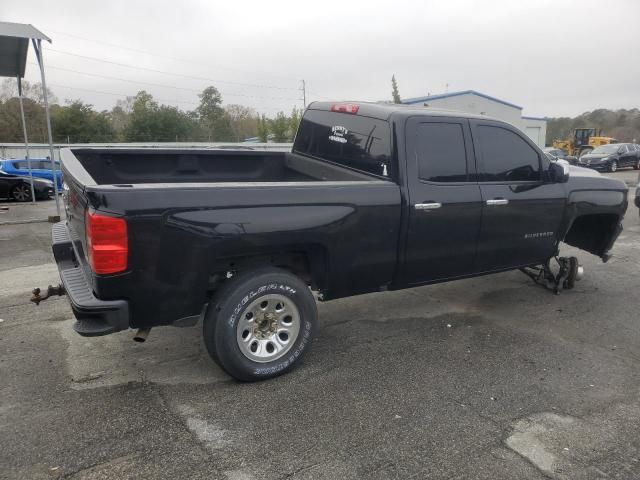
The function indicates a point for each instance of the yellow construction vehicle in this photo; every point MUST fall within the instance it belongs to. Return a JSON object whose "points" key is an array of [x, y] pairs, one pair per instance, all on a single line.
{"points": [[584, 140]]}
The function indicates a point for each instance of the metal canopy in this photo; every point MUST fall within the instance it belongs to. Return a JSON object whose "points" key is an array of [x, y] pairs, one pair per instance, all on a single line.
{"points": [[14, 46]]}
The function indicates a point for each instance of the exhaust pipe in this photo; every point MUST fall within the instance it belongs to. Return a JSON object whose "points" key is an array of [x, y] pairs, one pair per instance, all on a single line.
{"points": [[141, 335]]}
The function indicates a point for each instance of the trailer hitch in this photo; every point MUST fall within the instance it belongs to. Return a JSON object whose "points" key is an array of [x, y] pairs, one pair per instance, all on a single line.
{"points": [[51, 291], [569, 271]]}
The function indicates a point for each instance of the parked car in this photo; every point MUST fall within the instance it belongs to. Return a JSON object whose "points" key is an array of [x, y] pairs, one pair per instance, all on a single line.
{"points": [[610, 157], [18, 188], [561, 154], [40, 167], [372, 197]]}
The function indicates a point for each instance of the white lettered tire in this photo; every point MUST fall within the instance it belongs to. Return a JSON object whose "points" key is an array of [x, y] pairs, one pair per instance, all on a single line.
{"points": [[260, 324]]}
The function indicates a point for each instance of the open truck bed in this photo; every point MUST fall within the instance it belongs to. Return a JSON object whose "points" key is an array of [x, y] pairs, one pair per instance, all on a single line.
{"points": [[128, 167], [194, 215]]}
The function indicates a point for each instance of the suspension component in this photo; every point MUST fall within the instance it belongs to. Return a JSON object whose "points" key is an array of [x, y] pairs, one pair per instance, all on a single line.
{"points": [[569, 271]]}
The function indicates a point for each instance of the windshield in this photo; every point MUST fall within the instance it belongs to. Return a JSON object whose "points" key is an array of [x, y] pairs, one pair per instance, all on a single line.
{"points": [[606, 149]]}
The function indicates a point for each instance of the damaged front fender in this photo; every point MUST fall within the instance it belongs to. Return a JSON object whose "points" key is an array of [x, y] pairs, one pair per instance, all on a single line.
{"points": [[595, 220]]}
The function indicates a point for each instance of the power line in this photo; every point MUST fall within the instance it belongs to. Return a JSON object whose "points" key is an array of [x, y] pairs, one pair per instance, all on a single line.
{"points": [[108, 77], [147, 52], [192, 77]]}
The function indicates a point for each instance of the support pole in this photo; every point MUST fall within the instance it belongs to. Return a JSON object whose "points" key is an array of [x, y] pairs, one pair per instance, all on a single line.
{"points": [[37, 45], [304, 95], [26, 140]]}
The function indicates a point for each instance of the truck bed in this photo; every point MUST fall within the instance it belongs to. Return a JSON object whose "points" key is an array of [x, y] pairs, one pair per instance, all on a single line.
{"points": [[192, 215], [154, 166]]}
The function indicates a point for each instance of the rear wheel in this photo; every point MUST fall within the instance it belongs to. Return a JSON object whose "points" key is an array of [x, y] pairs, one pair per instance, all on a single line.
{"points": [[260, 324], [636, 166], [21, 193]]}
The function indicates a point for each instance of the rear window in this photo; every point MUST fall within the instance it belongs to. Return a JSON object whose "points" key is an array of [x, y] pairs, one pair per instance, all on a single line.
{"points": [[354, 141]]}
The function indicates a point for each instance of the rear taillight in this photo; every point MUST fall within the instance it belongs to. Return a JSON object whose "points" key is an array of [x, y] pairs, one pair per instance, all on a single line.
{"points": [[107, 244], [345, 108]]}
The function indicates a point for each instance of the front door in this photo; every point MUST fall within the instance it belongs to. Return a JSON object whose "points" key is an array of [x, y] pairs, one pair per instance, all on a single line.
{"points": [[521, 210], [444, 200]]}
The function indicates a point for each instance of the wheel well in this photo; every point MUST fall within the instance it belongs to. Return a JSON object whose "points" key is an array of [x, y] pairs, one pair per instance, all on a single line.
{"points": [[309, 264], [593, 232]]}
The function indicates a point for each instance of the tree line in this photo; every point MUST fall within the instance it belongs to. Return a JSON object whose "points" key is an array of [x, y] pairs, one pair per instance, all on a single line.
{"points": [[623, 125], [138, 119], [142, 119]]}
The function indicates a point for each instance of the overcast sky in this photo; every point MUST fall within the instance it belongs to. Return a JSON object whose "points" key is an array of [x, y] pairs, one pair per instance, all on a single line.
{"points": [[552, 57]]}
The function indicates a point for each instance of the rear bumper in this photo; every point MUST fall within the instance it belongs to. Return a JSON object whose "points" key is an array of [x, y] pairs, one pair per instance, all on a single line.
{"points": [[94, 317]]}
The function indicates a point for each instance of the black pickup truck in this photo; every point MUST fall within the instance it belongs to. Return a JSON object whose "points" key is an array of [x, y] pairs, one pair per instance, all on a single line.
{"points": [[372, 197]]}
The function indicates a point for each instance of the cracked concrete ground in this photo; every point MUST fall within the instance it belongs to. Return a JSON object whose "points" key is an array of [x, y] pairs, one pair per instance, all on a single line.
{"points": [[487, 378]]}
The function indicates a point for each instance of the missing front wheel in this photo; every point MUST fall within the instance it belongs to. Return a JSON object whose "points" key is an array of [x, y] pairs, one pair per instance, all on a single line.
{"points": [[556, 278]]}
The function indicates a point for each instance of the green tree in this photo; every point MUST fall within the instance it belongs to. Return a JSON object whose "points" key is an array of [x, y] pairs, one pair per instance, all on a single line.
{"points": [[294, 122], [10, 120], [242, 120], [150, 122], [78, 122], [142, 122], [280, 128], [211, 116], [119, 116], [263, 129], [395, 94]]}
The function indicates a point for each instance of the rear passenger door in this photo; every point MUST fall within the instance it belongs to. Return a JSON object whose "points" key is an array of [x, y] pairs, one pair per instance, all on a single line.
{"points": [[444, 200], [521, 210]]}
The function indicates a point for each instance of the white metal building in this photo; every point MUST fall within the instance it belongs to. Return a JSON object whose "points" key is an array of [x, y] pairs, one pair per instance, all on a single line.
{"points": [[470, 101]]}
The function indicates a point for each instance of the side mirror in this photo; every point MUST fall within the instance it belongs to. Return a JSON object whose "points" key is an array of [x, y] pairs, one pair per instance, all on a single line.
{"points": [[559, 171]]}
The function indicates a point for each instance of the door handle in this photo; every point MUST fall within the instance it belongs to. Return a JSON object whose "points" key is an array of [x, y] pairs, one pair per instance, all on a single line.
{"points": [[498, 201], [427, 206]]}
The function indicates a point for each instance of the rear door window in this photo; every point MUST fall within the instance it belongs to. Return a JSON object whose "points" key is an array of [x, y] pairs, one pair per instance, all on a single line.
{"points": [[506, 156], [441, 152], [354, 141]]}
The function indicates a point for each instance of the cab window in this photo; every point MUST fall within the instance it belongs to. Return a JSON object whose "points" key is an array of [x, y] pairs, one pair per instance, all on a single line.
{"points": [[441, 154], [506, 157]]}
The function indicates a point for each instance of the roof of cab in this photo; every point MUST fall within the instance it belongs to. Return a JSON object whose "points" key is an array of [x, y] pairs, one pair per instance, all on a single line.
{"points": [[384, 111]]}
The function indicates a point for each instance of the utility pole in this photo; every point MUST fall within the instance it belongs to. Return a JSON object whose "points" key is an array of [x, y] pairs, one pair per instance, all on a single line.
{"points": [[304, 95]]}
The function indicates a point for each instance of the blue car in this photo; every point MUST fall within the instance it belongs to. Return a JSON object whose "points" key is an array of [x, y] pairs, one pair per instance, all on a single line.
{"points": [[40, 167]]}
